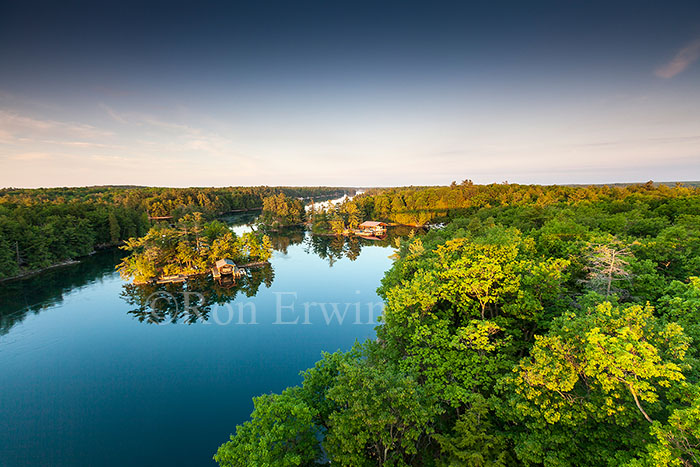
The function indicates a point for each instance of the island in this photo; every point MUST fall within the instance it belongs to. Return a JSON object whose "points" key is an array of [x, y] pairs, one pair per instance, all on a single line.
{"points": [[190, 247]]}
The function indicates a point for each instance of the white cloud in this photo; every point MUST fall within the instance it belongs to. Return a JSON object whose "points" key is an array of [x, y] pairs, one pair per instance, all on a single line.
{"points": [[113, 114], [682, 60], [21, 127]]}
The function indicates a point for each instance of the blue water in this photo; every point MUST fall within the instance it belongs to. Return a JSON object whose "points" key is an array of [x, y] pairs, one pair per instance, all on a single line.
{"points": [[85, 382]]}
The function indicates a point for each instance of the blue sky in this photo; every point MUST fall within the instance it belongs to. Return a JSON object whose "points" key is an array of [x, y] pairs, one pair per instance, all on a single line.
{"points": [[348, 93]]}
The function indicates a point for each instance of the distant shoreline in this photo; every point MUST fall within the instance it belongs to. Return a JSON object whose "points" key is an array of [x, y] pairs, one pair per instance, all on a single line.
{"points": [[34, 272], [67, 262]]}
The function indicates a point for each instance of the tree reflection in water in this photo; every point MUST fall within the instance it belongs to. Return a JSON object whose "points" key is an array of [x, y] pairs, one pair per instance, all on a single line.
{"points": [[193, 300], [334, 248], [38, 292]]}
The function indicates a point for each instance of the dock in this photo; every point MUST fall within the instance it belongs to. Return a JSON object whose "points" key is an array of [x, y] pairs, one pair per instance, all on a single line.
{"points": [[255, 264], [172, 279], [372, 230]]}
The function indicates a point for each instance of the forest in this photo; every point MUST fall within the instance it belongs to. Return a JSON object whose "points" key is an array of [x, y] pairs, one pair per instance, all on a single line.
{"points": [[530, 325], [43, 227]]}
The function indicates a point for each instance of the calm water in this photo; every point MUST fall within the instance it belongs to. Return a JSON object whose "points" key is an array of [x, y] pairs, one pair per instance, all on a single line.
{"points": [[95, 372]]}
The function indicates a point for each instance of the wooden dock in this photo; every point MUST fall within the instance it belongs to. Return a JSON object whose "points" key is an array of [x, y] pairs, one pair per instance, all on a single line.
{"points": [[255, 264], [172, 279]]}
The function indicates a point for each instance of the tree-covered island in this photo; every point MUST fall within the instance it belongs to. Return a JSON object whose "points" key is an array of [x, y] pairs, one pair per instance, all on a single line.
{"points": [[189, 247]]}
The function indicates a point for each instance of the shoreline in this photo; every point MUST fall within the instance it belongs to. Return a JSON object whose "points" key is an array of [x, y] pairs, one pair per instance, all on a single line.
{"points": [[34, 272], [67, 262]]}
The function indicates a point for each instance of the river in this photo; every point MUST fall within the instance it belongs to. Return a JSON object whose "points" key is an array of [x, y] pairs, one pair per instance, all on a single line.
{"points": [[95, 371]]}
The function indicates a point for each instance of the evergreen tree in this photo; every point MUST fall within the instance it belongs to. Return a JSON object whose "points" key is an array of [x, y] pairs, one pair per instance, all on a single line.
{"points": [[114, 229]]}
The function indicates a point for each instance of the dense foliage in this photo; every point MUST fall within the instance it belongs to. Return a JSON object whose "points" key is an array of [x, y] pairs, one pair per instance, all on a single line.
{"points": [[551, 326], [42, 227], [34, 236], [189, 247], [281, 211], [421, 206]]}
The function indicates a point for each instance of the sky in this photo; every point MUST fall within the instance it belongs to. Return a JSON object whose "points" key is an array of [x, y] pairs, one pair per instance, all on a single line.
{"points": [[348, 93]]}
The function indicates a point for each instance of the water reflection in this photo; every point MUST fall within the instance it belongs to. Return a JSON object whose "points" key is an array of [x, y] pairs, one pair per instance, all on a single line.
{"points": [[290, 236], [191, 301], [194, 300], [242, 222], [330, 247], [333, 248], [21, 297]]}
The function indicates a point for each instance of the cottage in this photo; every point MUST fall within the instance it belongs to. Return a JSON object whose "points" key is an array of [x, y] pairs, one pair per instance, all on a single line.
{"points": [[372, 228], [226, 267]]}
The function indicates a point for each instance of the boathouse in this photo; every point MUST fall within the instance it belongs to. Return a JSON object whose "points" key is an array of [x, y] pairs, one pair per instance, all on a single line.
{"points": [[226, 267], [372, 228]]}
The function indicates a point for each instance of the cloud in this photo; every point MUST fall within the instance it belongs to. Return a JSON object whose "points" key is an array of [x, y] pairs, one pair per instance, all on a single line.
{"points": [[21, 127], [173, 137], [683, 59], [112, 113], [640, 141], [30, 156], [81, 144]]}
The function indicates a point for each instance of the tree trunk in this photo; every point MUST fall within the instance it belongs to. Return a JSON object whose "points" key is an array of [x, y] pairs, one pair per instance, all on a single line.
{"points": [[639, 406], [610, 273]]}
